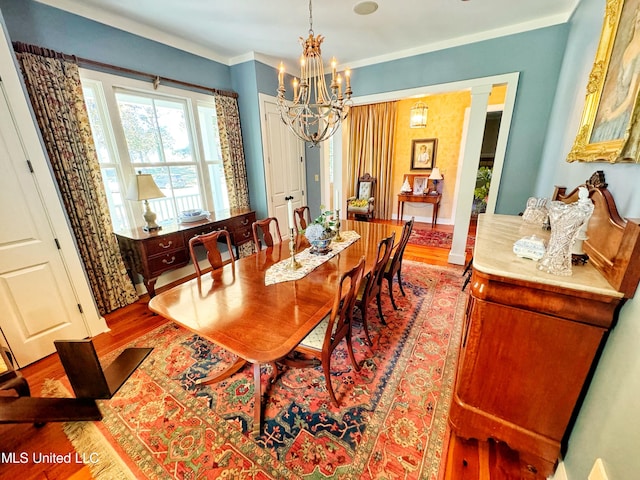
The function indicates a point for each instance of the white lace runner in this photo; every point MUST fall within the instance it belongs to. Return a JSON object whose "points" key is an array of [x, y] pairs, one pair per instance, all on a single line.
{"points": [[280, 272]]}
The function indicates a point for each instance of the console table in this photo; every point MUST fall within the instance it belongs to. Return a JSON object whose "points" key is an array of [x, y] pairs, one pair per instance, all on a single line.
{"points": [[530, 339], [432, 198], [150, 254]]}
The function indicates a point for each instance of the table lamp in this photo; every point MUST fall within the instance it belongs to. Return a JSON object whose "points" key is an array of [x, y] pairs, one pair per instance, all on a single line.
{"points": [[143, 187], [435, 177]]}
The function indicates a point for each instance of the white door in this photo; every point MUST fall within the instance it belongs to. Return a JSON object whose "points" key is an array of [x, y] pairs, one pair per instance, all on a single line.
{"points": [[37, 299], [285, 170]]}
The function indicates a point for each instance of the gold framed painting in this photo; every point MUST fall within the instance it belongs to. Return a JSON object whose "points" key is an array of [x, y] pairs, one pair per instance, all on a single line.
{"points": [[610, 128], [423, 153]]}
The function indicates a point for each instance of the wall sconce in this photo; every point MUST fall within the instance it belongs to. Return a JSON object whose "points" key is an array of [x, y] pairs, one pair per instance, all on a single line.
{"points": [[418, 116], [435, 177], [142, 187]]}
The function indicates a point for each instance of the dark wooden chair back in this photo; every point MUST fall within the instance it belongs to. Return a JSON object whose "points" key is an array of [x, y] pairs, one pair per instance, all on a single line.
{"points": [[302, 217], [265, 227], [210, 243], [318, 346], [394, 265], [371, 285]]}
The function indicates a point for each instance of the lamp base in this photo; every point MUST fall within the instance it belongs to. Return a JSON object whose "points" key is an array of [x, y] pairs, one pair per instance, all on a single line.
{"points": [[151, 228]]}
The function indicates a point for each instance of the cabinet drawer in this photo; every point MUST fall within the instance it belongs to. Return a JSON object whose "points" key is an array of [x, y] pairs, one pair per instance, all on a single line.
{"points": [[241, 235], [164, 243], [243, 221], [168, 261]]}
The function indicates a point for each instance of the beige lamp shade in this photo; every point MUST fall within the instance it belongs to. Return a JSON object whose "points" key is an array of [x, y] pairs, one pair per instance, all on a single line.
{"points": [[143, 187], [435, 174]]}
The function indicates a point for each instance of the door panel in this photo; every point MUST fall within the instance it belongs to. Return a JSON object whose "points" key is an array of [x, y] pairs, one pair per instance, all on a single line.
{"points": [[284, 168], [36, 294]]}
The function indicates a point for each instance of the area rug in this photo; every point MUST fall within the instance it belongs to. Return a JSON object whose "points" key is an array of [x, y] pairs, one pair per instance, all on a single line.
{"points": [[391, 422], [435, 238]]}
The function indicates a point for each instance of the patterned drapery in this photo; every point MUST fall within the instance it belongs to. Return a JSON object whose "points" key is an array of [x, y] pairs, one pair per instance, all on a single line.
{"points": [[371, 148], [56, 95], [235, 169]]}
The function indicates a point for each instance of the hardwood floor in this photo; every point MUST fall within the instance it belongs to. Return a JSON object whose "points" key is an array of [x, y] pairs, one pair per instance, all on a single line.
{"points": [[465, 460]]}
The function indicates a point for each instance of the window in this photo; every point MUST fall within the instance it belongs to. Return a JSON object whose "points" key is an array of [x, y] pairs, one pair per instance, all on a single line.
{"points": [[138, 129]]}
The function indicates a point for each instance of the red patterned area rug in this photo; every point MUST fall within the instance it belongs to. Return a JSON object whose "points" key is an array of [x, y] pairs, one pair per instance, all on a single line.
{"points": [[391, 423], [435, 238]]}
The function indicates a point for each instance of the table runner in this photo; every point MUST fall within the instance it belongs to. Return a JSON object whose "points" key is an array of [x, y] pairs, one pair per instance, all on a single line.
{"points": [[309, 261]]}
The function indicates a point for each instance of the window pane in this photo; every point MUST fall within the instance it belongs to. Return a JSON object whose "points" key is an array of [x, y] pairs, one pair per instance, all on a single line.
{"points": [[220, 196], [180, 186], [140, 128], [115, 198], [173, 131], [97, 127], [213, 155]]}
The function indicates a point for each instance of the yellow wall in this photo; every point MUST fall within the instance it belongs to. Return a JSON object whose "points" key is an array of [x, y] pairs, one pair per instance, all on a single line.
{"points": [[445, 121]]}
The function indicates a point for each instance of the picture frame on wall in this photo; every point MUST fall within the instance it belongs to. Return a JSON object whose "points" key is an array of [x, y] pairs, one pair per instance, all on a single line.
{"points": [[609, 129], [423, 153]]}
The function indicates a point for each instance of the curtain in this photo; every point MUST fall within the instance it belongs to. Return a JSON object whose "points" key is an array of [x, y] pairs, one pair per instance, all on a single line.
{"points": [[371, 148], [235, 169], [56, 95]]}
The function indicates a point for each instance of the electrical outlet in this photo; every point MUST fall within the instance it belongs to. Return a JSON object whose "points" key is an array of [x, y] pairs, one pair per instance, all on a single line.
{"points": [[317, 178], [598, 472]]}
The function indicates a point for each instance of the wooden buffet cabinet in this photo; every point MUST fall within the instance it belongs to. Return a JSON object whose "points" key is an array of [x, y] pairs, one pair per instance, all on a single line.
{"points": [[151, 254], [531, 339]]}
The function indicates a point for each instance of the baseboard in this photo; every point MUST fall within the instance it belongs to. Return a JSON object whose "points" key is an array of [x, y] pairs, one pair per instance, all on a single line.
{"points": [[560, 474]]}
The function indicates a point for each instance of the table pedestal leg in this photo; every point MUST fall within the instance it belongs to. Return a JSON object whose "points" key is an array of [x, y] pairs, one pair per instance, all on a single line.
{"points": [[226, 373], [257, 406]]}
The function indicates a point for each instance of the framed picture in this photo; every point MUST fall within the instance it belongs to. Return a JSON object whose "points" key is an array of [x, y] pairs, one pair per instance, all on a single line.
{"points": [[609, 130], [423, 153], [419, 185]]}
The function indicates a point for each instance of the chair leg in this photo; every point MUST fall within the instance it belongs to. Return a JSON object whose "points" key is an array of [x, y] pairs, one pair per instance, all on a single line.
{"points": [[379, 302], [400, 283], [393, 302], [363, 309], [355, 364], [326, 368]]}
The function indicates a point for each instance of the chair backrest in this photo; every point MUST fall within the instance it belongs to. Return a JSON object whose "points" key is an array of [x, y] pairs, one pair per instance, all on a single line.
{"points": [[210, 243], [301, 219], [366, 187], [264, 226], [375, 278], [396, 260]]}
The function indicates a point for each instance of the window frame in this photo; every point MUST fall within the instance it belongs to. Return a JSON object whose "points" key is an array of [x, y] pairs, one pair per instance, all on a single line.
{"points": [[105, 87]]}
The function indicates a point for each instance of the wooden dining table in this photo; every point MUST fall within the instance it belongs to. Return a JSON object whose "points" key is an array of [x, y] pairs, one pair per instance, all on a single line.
{"points": [[233, 308]]}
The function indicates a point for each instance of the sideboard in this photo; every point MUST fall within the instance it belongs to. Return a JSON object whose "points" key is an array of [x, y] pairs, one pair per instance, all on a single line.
{"points": [[531, 339], [149, 254]]}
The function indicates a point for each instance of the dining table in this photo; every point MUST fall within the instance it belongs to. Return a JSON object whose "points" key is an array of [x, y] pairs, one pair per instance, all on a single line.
{"points": [[259, 321]]}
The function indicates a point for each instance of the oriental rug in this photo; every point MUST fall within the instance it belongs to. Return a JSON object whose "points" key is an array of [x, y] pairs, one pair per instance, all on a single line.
{"points": [[392, 421], [435, 238]]}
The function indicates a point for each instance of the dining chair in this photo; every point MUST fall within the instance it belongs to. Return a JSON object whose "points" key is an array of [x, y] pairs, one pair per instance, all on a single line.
{"points": [[264, 226], [316, 348], [301, 218], [371, 285], [394, 265], [210, 243]]}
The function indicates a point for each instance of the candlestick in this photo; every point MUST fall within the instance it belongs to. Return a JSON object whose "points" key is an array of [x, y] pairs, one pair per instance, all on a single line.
{"points": [[293, 263], [281, 74], [337, 238]]}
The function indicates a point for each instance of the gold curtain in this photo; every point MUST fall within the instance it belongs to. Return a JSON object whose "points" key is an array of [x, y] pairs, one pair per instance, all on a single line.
{"points": [[371, 147], [235, 169], [56, 95]]}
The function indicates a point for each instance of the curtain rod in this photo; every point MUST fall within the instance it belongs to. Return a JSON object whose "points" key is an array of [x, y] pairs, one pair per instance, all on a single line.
{"points": [[85, 62]]}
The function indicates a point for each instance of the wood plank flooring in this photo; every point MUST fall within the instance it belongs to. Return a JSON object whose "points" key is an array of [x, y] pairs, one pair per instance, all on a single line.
{"points": [[465, 460]]}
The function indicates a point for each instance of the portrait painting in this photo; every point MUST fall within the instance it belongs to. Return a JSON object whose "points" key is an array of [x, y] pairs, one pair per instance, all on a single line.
{"points": [[423, 154], [609, 129]]}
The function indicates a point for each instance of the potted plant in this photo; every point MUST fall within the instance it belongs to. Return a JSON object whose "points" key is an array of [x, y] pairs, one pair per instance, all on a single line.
{"points": [[481, 192]]}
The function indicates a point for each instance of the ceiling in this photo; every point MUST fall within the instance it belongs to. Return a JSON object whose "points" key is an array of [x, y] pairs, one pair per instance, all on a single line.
{"points": [[233, 31]]}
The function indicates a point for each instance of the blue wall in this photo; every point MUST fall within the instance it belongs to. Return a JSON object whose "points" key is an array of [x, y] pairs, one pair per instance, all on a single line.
{"points": [[45, 26], [608, 425], [537, 55]]}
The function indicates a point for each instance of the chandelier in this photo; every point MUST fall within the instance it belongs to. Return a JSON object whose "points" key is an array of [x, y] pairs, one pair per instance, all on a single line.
{"points": [[314, 114]]}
